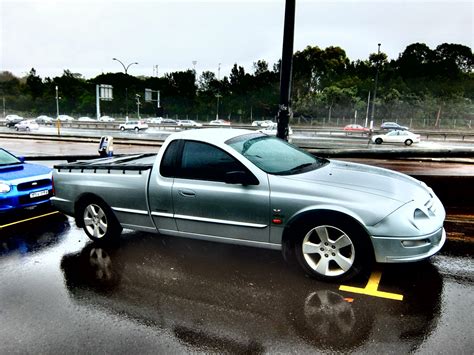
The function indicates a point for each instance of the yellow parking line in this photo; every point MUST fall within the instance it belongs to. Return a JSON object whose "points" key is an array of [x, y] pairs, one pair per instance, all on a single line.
{"points": [[371, 288], [28, 219]]}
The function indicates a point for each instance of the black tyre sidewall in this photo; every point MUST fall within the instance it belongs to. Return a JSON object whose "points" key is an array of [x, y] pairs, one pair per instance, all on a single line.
{"points": [[378, 141], [408, 142]]}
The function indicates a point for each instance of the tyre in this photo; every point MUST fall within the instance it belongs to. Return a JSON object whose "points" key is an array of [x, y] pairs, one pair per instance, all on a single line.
{"points": [[27, 129], [408, 142], [137, 129], [122, 128], [98, 221], [17, 128], [333, 249], [378, 141]]}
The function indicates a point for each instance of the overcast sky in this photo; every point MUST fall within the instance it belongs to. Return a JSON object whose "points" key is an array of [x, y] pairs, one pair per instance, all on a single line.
{"points": [[84, 35]]}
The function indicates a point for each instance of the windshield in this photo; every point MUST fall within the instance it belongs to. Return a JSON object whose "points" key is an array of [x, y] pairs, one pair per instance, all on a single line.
{"points": [[274, 155], [8, 159]]}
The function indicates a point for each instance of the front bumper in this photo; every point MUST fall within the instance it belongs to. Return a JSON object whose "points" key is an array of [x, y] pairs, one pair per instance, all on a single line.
{"points": [[407, 249]]}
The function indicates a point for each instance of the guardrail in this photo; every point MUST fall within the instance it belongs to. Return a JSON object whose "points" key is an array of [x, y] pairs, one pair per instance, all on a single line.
{"points": [[307, 130]]}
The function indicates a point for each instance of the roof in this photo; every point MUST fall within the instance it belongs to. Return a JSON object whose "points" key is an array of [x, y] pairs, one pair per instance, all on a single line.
{"points": [[215, 135]]}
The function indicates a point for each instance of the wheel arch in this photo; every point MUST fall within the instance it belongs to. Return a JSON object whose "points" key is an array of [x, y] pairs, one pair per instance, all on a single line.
{"points": [[81, 201], [296, 221]]}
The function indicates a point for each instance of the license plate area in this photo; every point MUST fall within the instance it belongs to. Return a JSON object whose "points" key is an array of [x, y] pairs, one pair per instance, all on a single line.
{"points": [[39, 193]]}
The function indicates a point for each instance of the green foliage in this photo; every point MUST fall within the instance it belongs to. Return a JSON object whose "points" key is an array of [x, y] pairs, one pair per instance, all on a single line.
{"points": [[326, 86]]}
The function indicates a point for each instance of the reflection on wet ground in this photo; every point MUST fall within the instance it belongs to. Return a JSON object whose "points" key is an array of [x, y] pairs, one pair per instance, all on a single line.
{"points": [[161, 294], [221, 298]]}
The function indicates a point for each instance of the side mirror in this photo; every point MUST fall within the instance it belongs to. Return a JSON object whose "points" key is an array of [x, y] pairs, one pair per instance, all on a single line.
{"points": [[22, 159], [240, 177]]}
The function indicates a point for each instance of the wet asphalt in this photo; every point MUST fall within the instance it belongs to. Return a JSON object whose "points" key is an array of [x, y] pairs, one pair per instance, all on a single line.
{"points": [[148, 293]]}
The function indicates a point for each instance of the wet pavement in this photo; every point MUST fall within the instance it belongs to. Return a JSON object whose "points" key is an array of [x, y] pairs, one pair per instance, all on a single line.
{"points": [[147, 293], [60, 293]]}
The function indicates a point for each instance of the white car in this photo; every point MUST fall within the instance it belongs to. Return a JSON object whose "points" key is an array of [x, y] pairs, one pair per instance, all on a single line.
{"points": [[219, 123], [406, 137], [44, 119], [65, 118], [189, 123], [156, 120], [85, 119], [27, 125], [133, 125], [106, 119], [271, 130], [266, 123]]}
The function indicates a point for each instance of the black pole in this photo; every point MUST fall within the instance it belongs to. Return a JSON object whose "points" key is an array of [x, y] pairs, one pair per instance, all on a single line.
{"points": [[284, 111]]}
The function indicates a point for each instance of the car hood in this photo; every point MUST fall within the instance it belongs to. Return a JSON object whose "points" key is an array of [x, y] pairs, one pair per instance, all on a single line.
{"points": [[367, 179], [16, 172]]}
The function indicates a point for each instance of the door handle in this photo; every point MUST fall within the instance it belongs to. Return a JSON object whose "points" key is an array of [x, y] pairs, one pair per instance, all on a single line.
{"points": [[187, 193]]}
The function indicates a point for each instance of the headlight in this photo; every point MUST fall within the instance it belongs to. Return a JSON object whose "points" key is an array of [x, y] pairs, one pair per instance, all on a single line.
{"points": [[4, 187]]}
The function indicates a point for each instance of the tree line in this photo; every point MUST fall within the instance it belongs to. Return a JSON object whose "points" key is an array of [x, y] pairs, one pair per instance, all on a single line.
{"points": [[430, 87]]}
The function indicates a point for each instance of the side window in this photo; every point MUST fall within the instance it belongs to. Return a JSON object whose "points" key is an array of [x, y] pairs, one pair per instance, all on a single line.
{"points": [[202, 161], [168, 162]]}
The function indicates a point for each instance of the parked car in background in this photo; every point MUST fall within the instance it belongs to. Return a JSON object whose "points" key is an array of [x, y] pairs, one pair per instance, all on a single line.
{"points": [[133, 125], [189, 123], [271, 130], [85, 119], [65, 118], [168, 122], [355, 128], [27, 125], [155, 120], [406, 137], [265, 123], [44, 119], [106, 119], [12, 120], [393, 125], [219, 123], [21, 184]]}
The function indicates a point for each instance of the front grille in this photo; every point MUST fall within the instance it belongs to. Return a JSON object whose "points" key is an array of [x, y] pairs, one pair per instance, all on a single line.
{"points": [[26, 199], [30, 185]]}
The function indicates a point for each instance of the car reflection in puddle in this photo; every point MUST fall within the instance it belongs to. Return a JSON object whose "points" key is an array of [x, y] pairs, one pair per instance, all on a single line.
{"points": [[31, 230], [217, 297]]}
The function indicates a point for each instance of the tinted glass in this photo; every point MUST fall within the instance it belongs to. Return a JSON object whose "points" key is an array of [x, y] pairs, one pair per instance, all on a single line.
{"points": [[168, 162], [7, 159], [202, 161], [273, 155]]}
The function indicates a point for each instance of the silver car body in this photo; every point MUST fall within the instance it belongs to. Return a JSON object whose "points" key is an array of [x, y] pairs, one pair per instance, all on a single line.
{"points": [[402, 217]]}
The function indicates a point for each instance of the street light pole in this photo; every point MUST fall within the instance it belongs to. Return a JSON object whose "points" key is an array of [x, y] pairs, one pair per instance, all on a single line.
{"points": [[125, 68]]}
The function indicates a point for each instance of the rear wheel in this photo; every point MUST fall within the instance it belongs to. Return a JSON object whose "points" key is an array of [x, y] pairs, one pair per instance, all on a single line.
{"points": [[333, 250], [122, 128], [408, 142], [98, 221], [378, 141], [137, 129]]}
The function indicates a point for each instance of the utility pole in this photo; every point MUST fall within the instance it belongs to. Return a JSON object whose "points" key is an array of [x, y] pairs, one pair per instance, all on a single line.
{"points": [[58, 121], [218, 90], [284, 110], [375, 88]]}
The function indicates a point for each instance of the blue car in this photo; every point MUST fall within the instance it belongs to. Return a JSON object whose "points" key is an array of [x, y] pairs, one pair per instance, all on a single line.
{"points": [[23, 185]]}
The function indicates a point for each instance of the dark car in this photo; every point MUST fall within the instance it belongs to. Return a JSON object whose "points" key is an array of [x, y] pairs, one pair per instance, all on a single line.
{"points": [[393, 125]]}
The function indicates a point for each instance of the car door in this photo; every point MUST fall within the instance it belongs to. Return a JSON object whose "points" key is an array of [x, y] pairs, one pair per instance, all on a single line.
{"points": [[206, 206]]}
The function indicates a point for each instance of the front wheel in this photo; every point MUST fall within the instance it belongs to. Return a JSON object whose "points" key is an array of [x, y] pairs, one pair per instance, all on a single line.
{"points": [[99, 222], [378, 141], [332, 251], [122, 129], [137, 129], [408, 142]]}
